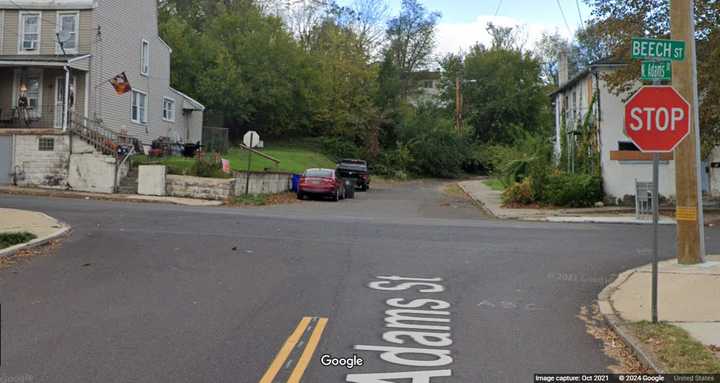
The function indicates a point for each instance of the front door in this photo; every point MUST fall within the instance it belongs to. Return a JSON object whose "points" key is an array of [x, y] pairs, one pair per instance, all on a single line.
{"points": [[60, 99], [5, 160]]}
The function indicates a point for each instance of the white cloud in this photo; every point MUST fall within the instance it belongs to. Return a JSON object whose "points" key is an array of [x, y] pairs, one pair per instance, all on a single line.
{"points": [[452, 37]]}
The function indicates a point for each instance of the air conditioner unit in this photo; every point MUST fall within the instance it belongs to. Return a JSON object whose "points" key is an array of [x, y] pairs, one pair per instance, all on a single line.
{"points": [[30, 45]]}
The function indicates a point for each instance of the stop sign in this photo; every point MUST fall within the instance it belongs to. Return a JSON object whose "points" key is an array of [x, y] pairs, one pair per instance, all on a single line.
{"points": [[657, 118]]}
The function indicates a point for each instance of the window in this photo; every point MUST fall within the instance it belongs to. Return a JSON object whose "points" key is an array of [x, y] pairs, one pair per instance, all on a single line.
{"points": [[145, 58], [67, 30], [139, 107], [46, 144], [30, 32], [168, 109]]}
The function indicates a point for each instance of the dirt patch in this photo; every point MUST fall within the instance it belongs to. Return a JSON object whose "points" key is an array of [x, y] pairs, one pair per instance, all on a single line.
{"points": [[263, 200], [613, 346]]}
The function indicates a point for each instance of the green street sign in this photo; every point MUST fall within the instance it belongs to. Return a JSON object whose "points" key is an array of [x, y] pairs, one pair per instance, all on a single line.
{"points": [[656, 70], [645, 49]]}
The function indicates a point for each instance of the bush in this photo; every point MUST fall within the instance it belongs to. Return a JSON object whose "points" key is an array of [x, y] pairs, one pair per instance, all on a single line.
{"points": [[572, 190], [339, 147], [519, 193], [394, 163], [439, 153], [208, 165], [12, 239]]}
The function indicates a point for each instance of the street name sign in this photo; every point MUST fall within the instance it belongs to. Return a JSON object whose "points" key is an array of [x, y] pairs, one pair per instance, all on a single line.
{"points": [[657, 119], [656, 70], [648, 49]]}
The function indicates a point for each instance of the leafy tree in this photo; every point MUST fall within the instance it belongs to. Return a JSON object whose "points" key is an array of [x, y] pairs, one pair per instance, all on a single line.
{"points": [[411, 38]]}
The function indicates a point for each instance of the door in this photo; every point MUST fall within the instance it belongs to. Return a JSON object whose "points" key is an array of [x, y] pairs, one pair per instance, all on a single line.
{"points": [[60, 99], [5, 160]]}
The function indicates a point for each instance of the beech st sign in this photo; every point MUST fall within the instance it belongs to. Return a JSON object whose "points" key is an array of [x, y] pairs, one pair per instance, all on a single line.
{"points": [[657, 119]]}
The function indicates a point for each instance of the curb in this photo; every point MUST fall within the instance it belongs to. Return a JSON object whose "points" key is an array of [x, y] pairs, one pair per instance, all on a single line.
{"points": [[478, 202], [612, 318], [32, 192], [10, 251]]}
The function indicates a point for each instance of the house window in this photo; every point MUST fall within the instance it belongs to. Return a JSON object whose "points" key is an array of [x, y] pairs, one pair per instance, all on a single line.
{"points": [[145, 58], [627, 146], [67, 32], [46, 144], [30, 32], [139, 107], [168, 109]]}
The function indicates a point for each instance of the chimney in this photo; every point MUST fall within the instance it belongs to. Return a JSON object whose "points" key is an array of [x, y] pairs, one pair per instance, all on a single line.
{"points": [[563, 70]]}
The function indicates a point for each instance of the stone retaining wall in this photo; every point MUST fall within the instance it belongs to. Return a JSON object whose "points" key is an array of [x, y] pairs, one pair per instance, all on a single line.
{"points": [[199, 187]]}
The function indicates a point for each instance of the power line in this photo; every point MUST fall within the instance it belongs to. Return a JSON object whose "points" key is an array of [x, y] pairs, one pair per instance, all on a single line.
{"points": [[582, 23], [562, 12], [497, 9]]}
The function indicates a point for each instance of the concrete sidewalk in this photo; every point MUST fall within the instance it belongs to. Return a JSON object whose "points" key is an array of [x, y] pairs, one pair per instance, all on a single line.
{"points": [[109, 197], [687, 297], [492, 201], [43, 226]]}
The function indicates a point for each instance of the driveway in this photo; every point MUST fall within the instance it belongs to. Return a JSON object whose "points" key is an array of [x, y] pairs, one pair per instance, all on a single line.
{"points": [[160, 293]]}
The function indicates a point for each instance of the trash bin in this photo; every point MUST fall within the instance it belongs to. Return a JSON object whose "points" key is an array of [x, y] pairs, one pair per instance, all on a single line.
{"points": [[295, 182]]}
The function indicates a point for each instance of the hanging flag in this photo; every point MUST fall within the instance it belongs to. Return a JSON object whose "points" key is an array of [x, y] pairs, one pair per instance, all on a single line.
{"points": [[121, 84]]}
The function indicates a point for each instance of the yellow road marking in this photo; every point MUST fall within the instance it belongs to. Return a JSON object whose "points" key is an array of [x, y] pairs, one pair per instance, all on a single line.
{"points": [[308, 353], [285, 351]]}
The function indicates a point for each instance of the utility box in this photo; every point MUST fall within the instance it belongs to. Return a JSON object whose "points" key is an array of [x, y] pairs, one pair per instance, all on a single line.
{"points": [[151, 180]]}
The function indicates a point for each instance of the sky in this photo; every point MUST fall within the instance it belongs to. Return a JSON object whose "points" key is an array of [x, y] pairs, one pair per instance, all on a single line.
{"points": [[463, 22]]}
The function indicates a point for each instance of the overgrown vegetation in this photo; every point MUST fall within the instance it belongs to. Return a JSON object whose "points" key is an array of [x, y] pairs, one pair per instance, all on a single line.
{"points": [[12, 239], [679, 352]]}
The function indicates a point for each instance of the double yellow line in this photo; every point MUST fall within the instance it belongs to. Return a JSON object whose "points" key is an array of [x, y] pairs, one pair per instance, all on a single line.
{"points": [[290, 344]]}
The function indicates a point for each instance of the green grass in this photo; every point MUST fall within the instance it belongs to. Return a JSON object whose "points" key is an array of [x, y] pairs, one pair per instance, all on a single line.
{"points": [[12, 239], [677, 349], [495, 184], [293, 159]]}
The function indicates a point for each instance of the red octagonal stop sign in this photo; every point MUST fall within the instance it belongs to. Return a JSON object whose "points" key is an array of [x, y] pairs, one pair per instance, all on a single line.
{"points": [[657, 118]]}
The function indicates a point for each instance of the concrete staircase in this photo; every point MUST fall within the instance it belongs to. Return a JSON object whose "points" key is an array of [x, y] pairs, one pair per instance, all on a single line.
{"points": [[129, 183]]}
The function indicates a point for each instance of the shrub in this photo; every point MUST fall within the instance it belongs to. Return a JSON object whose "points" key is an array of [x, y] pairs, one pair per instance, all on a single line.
{"points": [[439, 153], [208, 165], [339, 147], [12, 239], [394, 163], [519, 193], [572, 190]]}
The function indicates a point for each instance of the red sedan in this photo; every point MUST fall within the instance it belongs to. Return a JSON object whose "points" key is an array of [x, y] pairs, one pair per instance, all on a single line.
{"points": [[321, 182]]}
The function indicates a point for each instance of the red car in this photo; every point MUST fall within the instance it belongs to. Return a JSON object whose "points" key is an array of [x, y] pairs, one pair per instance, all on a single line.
{"points": [[321, 182]]}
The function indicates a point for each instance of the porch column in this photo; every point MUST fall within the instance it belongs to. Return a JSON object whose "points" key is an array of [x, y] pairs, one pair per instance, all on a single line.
{"points": [[66, 98]]}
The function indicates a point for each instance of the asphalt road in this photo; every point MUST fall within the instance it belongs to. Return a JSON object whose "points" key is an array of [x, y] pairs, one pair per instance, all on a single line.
{"points": [[161, 293]]}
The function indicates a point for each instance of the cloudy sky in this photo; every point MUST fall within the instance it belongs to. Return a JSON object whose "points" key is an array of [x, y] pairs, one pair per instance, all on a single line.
{"points": [[463, 22]]}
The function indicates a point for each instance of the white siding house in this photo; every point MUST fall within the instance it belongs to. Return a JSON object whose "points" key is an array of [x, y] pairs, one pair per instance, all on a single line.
{"points": [[621, 162]]}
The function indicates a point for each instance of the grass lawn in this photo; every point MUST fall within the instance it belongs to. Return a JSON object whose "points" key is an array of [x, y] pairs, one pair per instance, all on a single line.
{"points": [[495, 184], [675, 348], [12, 239], [293, 159]]}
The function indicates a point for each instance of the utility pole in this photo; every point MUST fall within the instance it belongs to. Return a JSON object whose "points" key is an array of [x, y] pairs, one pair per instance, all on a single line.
{"points": [[689, 213], [458, 105]]}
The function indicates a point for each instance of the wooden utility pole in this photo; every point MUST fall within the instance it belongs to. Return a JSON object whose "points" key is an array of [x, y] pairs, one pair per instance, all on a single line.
{"points": [[458, 105], [689, 214]]}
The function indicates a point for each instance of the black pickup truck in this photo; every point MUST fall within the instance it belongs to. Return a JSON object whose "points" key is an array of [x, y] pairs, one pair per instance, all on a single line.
{"points": [[356, 170]]}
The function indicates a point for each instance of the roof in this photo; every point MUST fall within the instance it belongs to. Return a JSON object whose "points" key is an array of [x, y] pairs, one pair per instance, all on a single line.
{"points": [[46, 61], [190, 103], [606, 63], [48, 4]]}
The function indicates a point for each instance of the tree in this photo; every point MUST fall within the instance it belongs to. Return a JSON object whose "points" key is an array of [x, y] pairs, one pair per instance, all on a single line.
{"points": [[617, 21], [411, 38]]}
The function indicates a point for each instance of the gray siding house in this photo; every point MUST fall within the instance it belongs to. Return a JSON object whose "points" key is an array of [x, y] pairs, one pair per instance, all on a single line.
{"points": [[62, 122], [53, 49]]}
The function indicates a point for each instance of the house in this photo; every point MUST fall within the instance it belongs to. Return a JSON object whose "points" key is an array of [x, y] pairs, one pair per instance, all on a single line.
{"points": [[621, 162], [425, 88], [57, 60]]}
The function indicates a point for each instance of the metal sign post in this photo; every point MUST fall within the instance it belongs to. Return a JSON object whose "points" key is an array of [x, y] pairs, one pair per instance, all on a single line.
{"points": [[656, 67], [247, 174]]}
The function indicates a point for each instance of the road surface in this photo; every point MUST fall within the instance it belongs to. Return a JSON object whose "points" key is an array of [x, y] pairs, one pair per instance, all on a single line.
{"points": [[161, 293]]}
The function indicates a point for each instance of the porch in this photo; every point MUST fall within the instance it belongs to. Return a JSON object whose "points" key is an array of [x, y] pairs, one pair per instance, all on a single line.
{"points": [[33, 96]]}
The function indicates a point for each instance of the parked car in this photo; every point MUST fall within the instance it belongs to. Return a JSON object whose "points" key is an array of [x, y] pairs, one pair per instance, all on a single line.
{"points": [[321, 182], [356, 170]]}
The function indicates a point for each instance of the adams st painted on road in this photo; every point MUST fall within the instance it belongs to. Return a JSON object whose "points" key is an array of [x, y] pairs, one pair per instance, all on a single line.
{"points": [[412, 322], [657, 118]]}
